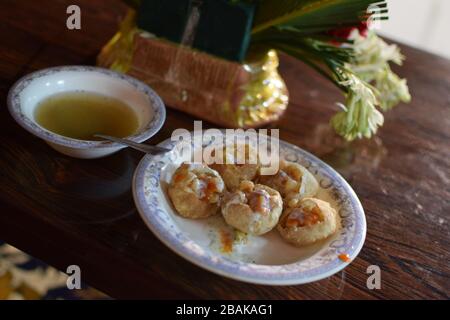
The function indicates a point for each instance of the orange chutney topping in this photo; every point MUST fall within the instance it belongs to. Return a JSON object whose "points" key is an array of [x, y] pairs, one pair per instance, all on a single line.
{"points": [[209, 187], [344, 257], [259, 201], [292, 222], [227, 241], [179, 177], [302, 217]]}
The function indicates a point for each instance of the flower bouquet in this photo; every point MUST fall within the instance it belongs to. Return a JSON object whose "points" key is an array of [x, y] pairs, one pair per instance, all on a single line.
{"points": [[217, 59]]}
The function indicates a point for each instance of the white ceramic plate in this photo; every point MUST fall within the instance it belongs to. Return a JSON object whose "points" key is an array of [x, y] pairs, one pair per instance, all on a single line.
{"points": [[266, 259]]}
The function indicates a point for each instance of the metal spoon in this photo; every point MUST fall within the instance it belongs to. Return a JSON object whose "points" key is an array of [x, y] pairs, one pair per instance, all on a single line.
{"points": [[135, 145]]}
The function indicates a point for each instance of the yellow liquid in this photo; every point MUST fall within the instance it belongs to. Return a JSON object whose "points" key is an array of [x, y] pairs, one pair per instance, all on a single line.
{"points": [[80, 115]]}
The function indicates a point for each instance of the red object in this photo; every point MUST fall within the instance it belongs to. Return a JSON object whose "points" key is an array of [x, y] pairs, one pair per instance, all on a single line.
{"points": [[345, 32]]}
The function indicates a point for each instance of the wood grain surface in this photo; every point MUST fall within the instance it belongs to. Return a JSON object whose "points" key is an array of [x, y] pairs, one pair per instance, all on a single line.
{"points": [[67, 211]]}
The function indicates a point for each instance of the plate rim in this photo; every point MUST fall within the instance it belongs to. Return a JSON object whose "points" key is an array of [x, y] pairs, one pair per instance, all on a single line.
{"points": [[359, 211]]}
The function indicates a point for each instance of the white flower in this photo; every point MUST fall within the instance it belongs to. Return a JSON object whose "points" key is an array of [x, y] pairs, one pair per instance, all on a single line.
{"points": [[359, 118], [371, 54], [371, 64], [391, 89]]}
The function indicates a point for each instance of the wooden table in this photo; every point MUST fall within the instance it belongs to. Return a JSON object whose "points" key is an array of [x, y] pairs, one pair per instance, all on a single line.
{"points": [[67, 211]]}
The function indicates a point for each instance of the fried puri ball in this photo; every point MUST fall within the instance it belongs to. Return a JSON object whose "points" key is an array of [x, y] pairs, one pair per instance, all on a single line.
{"points": [[253, 209], [195, 191], [240, 162], [291, 178], [308, 220]]}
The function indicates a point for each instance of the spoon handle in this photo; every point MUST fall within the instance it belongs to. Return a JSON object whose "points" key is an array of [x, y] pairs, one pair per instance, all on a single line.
{"points": [[138, 146]]}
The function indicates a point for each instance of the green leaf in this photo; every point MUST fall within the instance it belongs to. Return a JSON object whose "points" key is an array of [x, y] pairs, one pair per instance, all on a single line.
{"points": [[316, 15]]}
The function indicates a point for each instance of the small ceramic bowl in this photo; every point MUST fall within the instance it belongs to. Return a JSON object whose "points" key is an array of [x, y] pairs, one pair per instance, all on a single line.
{"points": [[29, 91]]}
